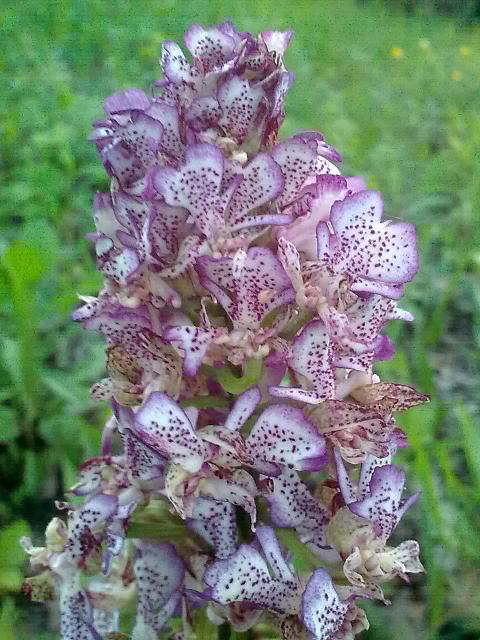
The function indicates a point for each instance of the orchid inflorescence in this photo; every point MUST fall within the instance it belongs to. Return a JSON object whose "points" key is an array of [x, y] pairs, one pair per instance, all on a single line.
{"points": [[246, 287]]}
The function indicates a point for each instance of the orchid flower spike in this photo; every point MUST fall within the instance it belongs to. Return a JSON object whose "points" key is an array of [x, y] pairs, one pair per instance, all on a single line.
{"points": [[245, 472]]}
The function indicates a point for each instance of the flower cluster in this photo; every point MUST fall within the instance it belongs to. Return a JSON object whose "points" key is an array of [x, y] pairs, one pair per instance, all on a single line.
{"points": [[247, 284]]}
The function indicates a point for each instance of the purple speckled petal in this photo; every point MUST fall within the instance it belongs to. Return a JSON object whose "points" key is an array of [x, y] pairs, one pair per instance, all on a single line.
{"points": [[243, 408], [262, 182], [196, 186], [245, 577], [247, 293], [354, 428], [323, 612], [240, 103], [141, 138], [290, 259], [130, 211], [273, 554], [368, 467], [90, 475], [293, 506], [277, 106], [283, 435], [296, 394], [316, 202], [277, 42], [382, 506], [144, 463], [324, 150], [128, 100], [164, 226], [366, 318], [119, 265], [204, 112], [215, 522], [171, 141], [85, 524], [262, 220], [174, 63], [159, 573], [297, 161], [211, 47], [190, 248], [76, 614], [311, 357], [90, 307], [106, 221], [165, 427], [343, 479], [123, 327], [240, 491], [376, 250], [194, 341]]}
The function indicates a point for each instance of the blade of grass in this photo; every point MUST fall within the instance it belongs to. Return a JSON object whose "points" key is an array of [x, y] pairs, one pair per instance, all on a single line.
{"points": [[471, 444]]}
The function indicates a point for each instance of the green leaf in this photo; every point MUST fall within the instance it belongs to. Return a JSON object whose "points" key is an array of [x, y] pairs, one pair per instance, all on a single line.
{"points": [[25, 265], [303, 559], [205, 402], [471, 436], [204, 629], [41, 236], [64, 386], [236, 385], [8, 618], [11, 360], [24, 262], [9, 428], [155, 522], [12, 556]]}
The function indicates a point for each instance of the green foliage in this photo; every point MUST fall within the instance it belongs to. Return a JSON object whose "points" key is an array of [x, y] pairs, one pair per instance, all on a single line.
{"points": [[398, 95], [12, 556]]}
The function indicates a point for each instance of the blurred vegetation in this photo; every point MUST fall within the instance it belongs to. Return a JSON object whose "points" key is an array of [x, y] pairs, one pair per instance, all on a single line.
{"points": [[399, 94]]}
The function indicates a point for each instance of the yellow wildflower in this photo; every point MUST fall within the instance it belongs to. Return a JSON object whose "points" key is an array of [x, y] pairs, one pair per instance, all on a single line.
{"points": [[465, 51], [397, 52], [457, 76]]}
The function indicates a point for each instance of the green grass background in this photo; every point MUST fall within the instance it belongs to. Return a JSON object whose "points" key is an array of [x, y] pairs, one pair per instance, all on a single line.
{"points": [[399, 96]]}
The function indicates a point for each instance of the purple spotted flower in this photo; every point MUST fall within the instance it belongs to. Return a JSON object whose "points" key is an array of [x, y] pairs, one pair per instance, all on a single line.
{"points": [[247, 289], [260, 575]]}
